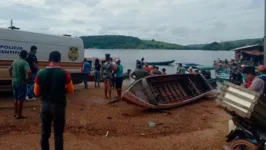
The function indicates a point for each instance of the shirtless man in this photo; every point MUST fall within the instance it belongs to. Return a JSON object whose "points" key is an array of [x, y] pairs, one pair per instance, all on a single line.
{"points": [[107, 70]]}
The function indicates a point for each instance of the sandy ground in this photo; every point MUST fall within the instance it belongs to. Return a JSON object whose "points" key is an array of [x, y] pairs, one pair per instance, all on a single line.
{"points": [[198, 126]]}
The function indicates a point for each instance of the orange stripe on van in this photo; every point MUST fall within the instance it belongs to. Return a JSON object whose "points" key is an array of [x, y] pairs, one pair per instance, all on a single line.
{"points": [[43, 63]]}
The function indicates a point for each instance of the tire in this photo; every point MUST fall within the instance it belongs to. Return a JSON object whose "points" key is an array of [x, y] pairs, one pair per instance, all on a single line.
{"points": [[242, 145]]}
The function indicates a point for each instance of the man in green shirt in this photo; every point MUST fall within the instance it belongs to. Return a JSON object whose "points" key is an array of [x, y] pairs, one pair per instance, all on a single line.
{"points": [[181, 69], [20, 73], [139, 73]]}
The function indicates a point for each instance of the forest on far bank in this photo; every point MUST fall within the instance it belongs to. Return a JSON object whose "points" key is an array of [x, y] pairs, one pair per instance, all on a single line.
{"points": [[130, 42]]}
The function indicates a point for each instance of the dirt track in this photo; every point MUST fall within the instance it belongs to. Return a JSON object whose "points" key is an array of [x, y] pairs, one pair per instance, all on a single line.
{"points": [[201, 125]]}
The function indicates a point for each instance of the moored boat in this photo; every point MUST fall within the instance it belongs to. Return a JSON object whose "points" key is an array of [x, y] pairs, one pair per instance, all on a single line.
{"points": [[222, 75], [192, 65], [163, 63], [158, 92]]}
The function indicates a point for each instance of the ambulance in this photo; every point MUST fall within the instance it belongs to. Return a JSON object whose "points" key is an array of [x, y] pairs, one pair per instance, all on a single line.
{"points": [[13, 41]]}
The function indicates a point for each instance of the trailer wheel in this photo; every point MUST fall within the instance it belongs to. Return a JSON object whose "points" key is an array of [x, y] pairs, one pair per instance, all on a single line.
{"points": [[242, 145]]}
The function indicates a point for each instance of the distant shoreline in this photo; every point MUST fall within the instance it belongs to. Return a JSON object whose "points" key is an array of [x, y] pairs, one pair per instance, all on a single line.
{"points": [[152, 49], [130, 42]]}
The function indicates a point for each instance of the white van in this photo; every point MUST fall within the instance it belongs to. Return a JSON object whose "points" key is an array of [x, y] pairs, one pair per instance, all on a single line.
{"points": [[13, 41]]}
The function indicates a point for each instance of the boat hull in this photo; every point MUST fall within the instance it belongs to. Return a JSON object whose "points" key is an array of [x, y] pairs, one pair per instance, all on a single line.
{"points": [[91, 77], [163, 63], [155, 93]]}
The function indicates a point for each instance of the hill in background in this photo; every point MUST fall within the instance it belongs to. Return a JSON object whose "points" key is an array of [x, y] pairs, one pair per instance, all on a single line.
{"points": [[129, 42]]}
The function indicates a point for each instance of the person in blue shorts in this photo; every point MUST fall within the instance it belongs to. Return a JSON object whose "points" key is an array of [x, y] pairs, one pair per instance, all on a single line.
{"points": [[119, 77], [86, 71], [20, 73]]}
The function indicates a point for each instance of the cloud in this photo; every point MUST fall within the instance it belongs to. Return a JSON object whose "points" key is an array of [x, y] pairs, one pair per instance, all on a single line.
{"points": [[175, 21]]}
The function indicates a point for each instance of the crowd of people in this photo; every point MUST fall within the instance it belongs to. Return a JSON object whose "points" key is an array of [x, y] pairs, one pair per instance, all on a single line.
{"points": [[53, 83], [243, 75], [143, 69], [110, 71]]}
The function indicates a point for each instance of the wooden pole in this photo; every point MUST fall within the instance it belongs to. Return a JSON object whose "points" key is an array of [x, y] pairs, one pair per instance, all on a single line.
{"points": [[264, 39]]}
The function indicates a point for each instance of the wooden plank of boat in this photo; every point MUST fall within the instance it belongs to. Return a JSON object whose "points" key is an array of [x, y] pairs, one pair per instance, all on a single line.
{"points": [[161, 62], [159, 92]]}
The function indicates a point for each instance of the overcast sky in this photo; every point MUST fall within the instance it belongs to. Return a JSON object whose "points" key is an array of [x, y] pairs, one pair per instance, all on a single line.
{"points": [[176, 21]]}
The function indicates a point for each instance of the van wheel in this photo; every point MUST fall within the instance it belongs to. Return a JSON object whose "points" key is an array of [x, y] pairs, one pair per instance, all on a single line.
{"points": [[242, 145]]}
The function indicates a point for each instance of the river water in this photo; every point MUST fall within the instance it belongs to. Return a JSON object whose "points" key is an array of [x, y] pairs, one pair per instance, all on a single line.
{"points": [[129, 57]]}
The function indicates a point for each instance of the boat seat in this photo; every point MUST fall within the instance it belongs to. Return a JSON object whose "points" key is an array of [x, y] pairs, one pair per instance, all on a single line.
{"points": [[171, 92]]}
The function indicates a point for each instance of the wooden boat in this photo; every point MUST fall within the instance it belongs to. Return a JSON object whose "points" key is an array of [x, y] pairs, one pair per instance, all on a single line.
{"points": [[158, 92], [162, 63], [250, 105], [192, 65]]}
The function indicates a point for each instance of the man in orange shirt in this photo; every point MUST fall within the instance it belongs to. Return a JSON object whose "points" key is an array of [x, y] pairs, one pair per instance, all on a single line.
{"points": [[52, 84], [147, 68]]}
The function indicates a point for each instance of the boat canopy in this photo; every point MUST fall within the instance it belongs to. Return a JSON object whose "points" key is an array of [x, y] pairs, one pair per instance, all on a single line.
{"points": [[248, 48], [254, 52], [250, 53]]}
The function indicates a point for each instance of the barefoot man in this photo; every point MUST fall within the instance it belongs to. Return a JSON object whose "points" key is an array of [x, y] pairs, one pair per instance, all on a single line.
{"points": [[107, 70], [20, 73]]}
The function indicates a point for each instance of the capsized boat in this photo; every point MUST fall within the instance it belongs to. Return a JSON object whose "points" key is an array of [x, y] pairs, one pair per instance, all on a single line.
{"points": [[158, 92]]}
